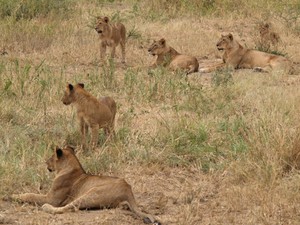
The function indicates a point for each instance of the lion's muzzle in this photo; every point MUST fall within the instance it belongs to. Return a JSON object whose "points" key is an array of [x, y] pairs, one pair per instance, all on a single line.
{"points": [[150, 52], [219, 47]]}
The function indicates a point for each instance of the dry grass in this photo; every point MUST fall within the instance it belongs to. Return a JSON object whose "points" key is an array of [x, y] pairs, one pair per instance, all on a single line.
{"points": [[221, 148]]}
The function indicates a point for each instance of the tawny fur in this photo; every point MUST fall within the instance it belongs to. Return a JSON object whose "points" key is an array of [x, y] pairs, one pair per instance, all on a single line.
{"points": [[74, 189], [111, 35], [239, 57], [92, 113], [169, 57], [268, 37]]}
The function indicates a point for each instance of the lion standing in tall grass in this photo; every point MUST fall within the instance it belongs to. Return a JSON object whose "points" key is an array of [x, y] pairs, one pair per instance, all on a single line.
{"points": [[92, 113], [74, 189], [169, 57], [111, 35]]}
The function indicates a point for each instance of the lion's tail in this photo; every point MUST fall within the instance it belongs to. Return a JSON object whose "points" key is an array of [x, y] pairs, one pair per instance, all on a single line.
{"points": [[147, 218]]}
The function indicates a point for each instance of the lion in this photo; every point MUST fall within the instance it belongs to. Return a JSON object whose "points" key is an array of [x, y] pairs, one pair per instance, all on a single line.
{"points": [[239, 57], [268, 37], [111, 34], [73, 189], [92, 113], [169, 57]]}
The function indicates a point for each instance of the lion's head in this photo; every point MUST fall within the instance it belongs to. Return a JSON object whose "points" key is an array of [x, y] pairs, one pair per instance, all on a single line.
{"points": [[157, 47], [264, 28], [61, 159], [69, 95], [102, 26], [225, 42]]}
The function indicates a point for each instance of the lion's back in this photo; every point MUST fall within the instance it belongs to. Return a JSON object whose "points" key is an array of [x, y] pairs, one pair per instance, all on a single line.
{"points": [[185, 61]]}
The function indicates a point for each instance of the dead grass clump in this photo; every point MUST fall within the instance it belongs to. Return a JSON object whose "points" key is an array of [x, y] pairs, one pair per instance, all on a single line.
{"points": [[291, 157], [27, 37]]}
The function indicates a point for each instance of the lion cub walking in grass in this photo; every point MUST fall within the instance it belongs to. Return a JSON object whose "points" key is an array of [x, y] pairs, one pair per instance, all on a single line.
{"points": [[74, 189], [169, 57], [112, 35], [92, 113]]}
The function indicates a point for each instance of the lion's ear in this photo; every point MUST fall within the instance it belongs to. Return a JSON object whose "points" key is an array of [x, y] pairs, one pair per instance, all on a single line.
{"points": [[70, 86], [106, 19], [230, 36], [71, 148], [162, 41], [59, 152], [81, 85]]}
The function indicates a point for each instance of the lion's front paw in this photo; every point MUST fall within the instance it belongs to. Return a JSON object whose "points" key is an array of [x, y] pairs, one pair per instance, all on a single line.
{"points": [[48, 208]]}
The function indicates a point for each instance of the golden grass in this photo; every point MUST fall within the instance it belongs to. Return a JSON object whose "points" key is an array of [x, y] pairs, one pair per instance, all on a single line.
{"points": [[221, 148]]}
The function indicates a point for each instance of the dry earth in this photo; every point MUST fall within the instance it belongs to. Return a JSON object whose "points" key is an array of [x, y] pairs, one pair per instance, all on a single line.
{"points": [[175, 197]]}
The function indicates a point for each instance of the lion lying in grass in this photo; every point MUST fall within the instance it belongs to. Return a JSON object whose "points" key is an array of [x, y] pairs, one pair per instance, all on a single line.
{"points": [[112, 35], [92, 113], [169, 57], [238, 57], [74, 189]]}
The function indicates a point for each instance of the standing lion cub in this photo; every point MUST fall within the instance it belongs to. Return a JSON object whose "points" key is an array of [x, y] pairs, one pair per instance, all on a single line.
{"points": [[111, 35], [74, 189], [169, 57], [92, 113]]}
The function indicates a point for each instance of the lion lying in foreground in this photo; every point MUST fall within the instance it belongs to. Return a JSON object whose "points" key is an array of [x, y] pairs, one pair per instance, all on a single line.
{"points": [[112, 35], [92, 113], [169, 57], [238, 57], [74, 189]]}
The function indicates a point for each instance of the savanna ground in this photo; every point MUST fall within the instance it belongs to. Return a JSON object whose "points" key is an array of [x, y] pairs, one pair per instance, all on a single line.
{"points": [[219, 148]]}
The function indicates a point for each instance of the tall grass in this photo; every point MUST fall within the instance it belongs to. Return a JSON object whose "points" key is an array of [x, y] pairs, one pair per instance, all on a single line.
{"points": [[241, 124], [29, 9], [159, 8]]}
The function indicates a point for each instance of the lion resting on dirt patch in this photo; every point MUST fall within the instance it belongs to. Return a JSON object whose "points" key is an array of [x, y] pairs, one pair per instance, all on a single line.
{"points": [[74, 189], [168, 56], [92, 113], [238, 57], [111, 34]]}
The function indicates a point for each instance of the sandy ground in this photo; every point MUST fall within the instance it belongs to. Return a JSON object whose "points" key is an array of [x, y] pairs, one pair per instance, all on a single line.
{"points": [[171, 195]]}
